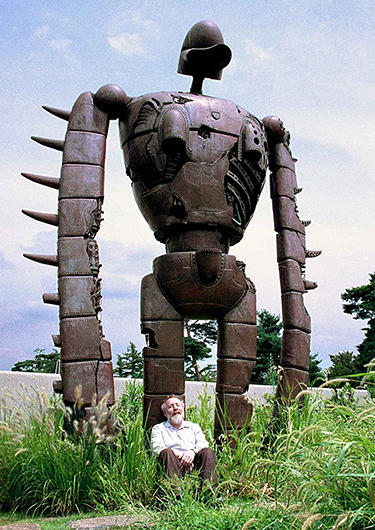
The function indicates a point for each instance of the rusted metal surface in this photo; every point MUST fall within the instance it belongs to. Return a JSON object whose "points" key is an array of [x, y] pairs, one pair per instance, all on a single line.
{"points": [[291, 256], [197, 165]]}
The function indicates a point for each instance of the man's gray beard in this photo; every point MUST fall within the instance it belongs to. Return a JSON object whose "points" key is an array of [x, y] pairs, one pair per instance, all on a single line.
{"points": [[176, 419]]}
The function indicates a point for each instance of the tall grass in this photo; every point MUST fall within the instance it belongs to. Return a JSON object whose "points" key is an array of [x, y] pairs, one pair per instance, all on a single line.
{"points": [[319, 471]]}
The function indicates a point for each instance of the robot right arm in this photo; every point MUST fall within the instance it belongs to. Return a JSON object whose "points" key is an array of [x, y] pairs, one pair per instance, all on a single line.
{"points": [[86, 367]]}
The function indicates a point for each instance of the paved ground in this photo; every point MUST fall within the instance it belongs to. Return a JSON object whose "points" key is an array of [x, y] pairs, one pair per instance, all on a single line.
{"points": [[95, 523], [20, 526], [100, 523]]}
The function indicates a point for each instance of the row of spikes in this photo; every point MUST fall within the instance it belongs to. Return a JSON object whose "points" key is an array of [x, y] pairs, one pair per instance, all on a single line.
{"points": [[49, 218], [296, 191], [308, 253]]}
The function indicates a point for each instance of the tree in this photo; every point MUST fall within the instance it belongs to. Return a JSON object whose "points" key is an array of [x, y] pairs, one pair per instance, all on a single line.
{"points": [[268, 347], [199, 334], [360, 303], [315, 371], [42, 362], [343, 364], [129, 363]]}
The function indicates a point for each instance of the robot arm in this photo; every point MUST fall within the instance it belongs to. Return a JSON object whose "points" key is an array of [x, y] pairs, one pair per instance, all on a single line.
{"points": [[291, 257], [85, 354]]}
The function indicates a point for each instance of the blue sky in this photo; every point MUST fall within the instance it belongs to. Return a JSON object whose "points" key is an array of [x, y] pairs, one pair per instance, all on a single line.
{"points": [[310, 62]]}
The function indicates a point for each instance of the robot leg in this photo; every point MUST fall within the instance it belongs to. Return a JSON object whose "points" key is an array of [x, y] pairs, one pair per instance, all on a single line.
{"points": [[236, 356], [164, 353]]}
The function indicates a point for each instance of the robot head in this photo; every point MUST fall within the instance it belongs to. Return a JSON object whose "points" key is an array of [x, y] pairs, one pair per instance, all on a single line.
{"points": [[203, 51]]}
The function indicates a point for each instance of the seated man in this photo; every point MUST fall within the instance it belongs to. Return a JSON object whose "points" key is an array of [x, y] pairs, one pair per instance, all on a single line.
{"points": [[181, 445]]}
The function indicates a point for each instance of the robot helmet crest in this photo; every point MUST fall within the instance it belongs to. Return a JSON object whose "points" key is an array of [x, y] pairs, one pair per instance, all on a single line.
{"points": [[203, 51]]}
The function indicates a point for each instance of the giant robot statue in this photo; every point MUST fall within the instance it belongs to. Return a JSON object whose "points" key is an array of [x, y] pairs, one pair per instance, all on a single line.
{"points": [[197, 165]]}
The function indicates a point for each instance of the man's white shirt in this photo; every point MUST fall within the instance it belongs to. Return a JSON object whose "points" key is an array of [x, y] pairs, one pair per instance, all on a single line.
{"points": [[188, 437]]}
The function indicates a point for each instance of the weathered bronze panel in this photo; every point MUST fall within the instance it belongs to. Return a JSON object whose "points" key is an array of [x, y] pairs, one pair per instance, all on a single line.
{"points": [[76, 296], [179, 278], [81, 181], [86, 116], [290, 245], [290, 276], [291, 382], [233, 375], [295, 349], [80, 338], [164, 376], [232, 412], [154, 305], [281, 157], [237, 341], [79, 381], [84, 148], [72, 252], [164, 338], [294, 312], [283, 183], [245, 310], [285, 215], [105, 383], [77, 216]]}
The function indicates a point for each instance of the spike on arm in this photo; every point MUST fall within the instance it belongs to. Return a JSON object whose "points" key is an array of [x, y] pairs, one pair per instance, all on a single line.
{"points": [[51, 298], [309, 285], [46, 259], [50, 182], [49, 218], [313, 253], [49, 142], [59, 113]]}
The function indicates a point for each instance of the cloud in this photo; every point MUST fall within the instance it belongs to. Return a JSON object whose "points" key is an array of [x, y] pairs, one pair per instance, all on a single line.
{"points": [[348, 131], [128, 43], [62, 45], [41, 31], [257, 54], [132, 34]]}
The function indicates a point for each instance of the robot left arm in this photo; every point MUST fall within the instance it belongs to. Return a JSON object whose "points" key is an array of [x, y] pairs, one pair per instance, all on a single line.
{"points": [[86, 367], [291, 257]]}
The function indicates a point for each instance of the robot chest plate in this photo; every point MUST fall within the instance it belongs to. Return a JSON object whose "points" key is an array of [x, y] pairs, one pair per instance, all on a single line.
{"points": [[209, 127]]}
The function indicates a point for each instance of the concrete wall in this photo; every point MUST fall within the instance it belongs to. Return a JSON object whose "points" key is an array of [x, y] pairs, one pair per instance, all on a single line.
{"points": [[19, 389]]}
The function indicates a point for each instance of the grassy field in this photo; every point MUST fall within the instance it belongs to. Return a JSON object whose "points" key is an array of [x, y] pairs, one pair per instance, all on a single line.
{"points": [[319, 471]]}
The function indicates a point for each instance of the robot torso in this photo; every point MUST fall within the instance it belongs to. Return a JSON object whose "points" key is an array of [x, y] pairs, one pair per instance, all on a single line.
{"points": [[194, 161]]}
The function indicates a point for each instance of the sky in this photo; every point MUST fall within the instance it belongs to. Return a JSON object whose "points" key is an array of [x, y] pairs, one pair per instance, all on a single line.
{"points": [[309, 62]]}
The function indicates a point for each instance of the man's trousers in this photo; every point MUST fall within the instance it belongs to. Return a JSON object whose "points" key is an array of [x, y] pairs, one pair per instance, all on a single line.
{"points": [[204, 460]]}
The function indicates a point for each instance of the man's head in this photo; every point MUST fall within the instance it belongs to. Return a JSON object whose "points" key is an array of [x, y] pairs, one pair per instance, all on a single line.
{"points": [[173, 410]]}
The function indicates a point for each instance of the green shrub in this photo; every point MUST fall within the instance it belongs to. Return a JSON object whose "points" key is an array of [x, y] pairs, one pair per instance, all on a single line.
{"points": [[318, 472]]}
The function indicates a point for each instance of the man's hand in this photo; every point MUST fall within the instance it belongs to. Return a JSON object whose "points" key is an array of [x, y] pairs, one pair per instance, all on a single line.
{"points": [[186, 459]]}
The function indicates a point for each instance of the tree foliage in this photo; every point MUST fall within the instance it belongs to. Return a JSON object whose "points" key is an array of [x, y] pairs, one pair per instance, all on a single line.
{"points": [[42, 362], [360, 303], [198, 335], [268, 347], [343, 364], [129, 363], [315, 371]]}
